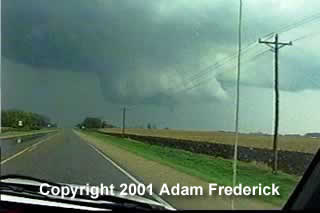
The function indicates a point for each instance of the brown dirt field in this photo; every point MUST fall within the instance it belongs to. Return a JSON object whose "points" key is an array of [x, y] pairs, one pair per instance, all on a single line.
{"points": [[285, 143]]}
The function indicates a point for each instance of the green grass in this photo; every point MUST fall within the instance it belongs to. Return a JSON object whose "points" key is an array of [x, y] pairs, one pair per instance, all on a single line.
{"points": [[22, 133], [208, 168]]}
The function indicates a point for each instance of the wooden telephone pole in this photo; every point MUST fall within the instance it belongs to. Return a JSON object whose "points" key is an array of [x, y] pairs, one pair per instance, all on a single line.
{"points": [[123, 121], [275, 46]]}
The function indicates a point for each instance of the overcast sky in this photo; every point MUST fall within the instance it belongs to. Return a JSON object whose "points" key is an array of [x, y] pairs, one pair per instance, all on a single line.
{"points": [[169, 61]]}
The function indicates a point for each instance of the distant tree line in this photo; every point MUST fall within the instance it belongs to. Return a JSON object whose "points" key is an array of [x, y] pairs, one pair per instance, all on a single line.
{"points": [[30, 120], [94, 122], [313, 134]]}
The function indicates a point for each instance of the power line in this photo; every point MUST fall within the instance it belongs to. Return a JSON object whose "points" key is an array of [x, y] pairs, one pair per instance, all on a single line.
{"points": [[299, 23], [205, 72], [251, 59], [224, 61], [285, 28], [304, 21], [197, 79], [306, 36], [256, 56], [209, 71], [206, 80]]}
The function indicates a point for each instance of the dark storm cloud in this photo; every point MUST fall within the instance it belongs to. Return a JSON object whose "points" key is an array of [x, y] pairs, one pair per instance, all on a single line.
{"points": [[118, 40], [140, 50], [79, 34]]}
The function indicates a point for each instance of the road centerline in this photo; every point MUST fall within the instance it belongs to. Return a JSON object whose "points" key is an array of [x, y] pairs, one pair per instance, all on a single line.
{"points": [[14, 156], [30, 148]]}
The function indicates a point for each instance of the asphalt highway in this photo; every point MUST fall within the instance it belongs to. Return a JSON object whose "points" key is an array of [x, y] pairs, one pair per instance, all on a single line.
{"points": [[63, 157]]}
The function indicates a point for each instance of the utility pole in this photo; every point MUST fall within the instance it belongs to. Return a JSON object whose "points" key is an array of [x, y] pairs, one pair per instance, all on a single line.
{"points": [[275, 46], [123, 121], [235, 153]]}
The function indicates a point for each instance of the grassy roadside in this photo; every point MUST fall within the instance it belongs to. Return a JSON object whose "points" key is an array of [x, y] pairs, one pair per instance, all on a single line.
{"points": [[207, 168], [12, 134]]}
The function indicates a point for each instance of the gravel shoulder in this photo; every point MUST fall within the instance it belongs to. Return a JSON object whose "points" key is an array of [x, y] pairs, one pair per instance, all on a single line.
{"points": [[148, 171]]}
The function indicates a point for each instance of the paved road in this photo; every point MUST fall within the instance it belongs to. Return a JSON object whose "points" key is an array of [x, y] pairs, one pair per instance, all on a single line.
{"points": [[11, 146], [63, 157]]}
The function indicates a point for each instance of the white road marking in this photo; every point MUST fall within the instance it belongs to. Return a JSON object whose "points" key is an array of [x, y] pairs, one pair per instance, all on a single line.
{"points": [[30, 148], [14, 156], [40, 142], [159, 199]]}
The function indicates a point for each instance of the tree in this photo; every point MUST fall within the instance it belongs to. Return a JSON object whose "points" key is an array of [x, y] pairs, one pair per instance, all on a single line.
{"points": [[30, 120], [106, 125], [54, 125], [149, 126], [92, 122]]}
